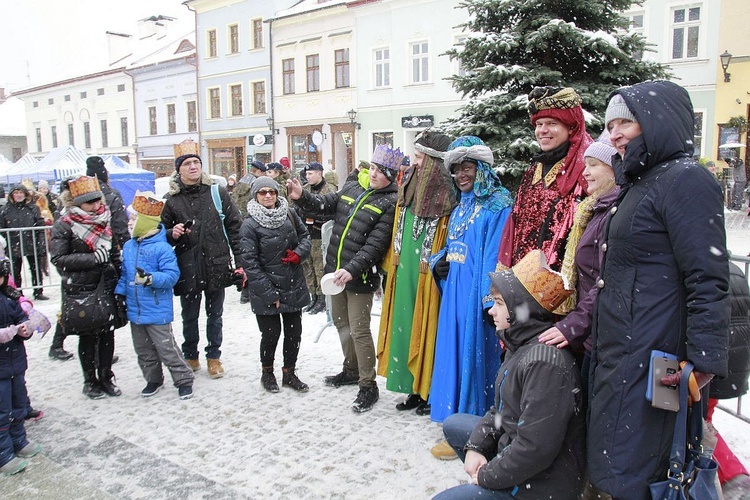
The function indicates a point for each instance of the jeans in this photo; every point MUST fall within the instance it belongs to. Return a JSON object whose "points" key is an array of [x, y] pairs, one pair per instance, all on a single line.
{"points": [[457, 429], [270, 331], [13, 404], [351, 315], [191, 309]]}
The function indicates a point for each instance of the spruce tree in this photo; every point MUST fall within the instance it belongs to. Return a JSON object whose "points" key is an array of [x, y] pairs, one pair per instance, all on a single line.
{"points": [[515, 45]]}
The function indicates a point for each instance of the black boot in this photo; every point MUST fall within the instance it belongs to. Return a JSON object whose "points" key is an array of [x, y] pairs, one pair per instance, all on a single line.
{"points": [[268, 380], [106, 382], [91, 386], [313, 304], [290, 379], [320, 305], [56, 350]]}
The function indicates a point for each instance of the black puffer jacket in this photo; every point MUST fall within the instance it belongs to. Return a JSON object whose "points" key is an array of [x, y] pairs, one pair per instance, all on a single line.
{"points": [[735, 383], [314, 221], [362, 228], [119, 221], [76, 263], [664, 286], [268, 279], [203, 255], [23, 214]]}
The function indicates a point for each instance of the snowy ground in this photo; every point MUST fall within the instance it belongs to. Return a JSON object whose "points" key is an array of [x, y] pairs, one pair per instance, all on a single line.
{"points": [[233, 440]]}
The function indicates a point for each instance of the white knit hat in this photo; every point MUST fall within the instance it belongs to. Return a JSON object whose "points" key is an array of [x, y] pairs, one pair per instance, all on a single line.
{"points": [[601, 151], [617, 109]]}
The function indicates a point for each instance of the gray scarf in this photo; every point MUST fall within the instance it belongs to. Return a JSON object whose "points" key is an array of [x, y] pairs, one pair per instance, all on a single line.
{"points": [[270, 218]]}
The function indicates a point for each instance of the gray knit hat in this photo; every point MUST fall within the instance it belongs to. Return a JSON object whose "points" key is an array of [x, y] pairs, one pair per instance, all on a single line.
{"points": [[263, 182], [601, 151], [617, 109]]}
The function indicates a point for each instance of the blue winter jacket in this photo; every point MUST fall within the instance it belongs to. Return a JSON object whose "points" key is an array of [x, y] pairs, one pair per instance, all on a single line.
{"points": [[152, 304]]}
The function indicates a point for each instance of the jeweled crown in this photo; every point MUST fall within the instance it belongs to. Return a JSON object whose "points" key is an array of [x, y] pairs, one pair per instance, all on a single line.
{"points": [[548, 287], [387, 157]]}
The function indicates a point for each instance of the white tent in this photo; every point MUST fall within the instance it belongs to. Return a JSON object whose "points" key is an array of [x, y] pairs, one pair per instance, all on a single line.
{"points": [[59, 163]]}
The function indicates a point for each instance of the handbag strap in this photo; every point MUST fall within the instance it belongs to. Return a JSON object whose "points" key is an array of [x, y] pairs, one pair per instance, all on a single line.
{"points": [[219, 208], [677, 456]]}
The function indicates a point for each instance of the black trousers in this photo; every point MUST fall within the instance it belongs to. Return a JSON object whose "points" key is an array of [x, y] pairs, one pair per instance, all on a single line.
{"points": [[270, 331], [36, 278], [102, 344]]}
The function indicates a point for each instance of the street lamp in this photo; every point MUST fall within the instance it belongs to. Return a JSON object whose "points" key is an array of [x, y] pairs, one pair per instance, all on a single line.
{"points": [[725, 58], [269, 122], [353, 118]]}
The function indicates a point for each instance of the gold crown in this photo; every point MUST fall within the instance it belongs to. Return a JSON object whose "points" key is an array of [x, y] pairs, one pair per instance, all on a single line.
{"points": [[84, 185], [28, 184], [146, 203], [548, 287]]}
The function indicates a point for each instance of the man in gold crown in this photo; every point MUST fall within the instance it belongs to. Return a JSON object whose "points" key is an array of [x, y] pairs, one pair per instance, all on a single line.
{"points": [[531, 443], [552, 187]]}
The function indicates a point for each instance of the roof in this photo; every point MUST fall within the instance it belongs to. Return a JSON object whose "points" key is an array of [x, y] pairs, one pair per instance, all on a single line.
{"points": [[305, 6]]}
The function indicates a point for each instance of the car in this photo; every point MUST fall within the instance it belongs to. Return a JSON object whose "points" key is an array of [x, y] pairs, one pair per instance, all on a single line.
{"points": [[161, 185]]}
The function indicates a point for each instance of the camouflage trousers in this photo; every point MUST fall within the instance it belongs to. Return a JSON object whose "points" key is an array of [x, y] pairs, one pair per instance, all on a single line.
{"points": [[313, 268]]}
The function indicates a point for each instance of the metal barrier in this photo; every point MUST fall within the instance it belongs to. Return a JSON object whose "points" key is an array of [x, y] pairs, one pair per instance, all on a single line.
{"points": [[23, 266], [744, 263]]}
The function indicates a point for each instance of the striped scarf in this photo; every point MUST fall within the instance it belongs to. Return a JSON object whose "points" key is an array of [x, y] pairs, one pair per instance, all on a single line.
{"points": [[92, 228]]}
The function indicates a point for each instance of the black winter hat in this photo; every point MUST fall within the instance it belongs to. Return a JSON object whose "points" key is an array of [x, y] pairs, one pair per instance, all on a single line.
{"points": [[275, 166], [95, 168], [315, 166], [180, 159]]}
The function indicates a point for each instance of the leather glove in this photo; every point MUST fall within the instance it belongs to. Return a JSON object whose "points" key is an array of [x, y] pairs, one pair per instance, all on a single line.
{"points": [[239, 278], [441, 268], [696, 382], [142, 277], [102, 255], [291, 258]]}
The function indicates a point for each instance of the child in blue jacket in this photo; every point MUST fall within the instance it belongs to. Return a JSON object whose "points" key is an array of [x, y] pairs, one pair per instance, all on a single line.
{"points": [[14, 329], [149, 273]]}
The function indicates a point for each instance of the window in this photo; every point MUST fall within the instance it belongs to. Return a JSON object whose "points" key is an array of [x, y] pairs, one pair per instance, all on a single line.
{"points": [[313, 73], [211, 43], [236, 92], [38, 139], [698, 133], [124, 131], [382, 67], [192, 117], [86, 135], [121, 87], [257, 33], [233, 36], [35, 104], [341, 57], [105, 137], [66, 98], [54, 136], [303, 150], [686, 23], [152, 129], [99, 91], [171, 122], [420, 62], [287, 68], [259, 97], [214, 102], [636, 26], [71, 137], [50, 101], [83, 95], [460, 43], [380, 138]]}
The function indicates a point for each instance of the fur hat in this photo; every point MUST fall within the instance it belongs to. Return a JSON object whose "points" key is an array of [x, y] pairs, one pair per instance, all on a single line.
{"points": [[261, 183], [617, 108], [601, 151], [84, 189], [95, 168], [548, 288], [180, 159], [387, 160]]}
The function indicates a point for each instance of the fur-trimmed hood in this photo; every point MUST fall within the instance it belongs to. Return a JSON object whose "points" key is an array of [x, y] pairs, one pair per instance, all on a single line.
{"points": [[176, 185]]}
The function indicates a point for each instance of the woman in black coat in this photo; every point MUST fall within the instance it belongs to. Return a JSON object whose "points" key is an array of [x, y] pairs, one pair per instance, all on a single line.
{"points": [[273, 243], [82, 251]]}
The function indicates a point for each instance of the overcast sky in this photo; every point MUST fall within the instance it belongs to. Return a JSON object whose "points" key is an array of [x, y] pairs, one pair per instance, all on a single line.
{"points": [[43, 41]]}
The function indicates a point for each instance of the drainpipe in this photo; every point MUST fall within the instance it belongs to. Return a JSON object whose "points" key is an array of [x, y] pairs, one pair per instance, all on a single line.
{"points": [[270, 87], [198, 91]]}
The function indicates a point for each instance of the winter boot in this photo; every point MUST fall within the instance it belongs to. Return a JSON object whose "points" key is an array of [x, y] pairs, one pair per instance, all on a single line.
{"points": [[320, 305], [106, 381], [91, 386], [312, 305], [289, 379], [366, 399], [215, 369], [16, 464], [59, 353], [268, 380]]}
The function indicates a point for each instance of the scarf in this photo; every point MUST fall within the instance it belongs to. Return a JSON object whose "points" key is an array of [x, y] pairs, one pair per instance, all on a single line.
{"points": [[428, 190], [581, 219], [270, 218], [93, 229]]}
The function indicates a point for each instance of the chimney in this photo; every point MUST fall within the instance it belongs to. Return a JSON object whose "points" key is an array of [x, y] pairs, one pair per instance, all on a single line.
{"points": [[119, 45]]}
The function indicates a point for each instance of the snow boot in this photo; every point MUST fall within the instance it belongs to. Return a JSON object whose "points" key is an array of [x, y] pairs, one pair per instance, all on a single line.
{"points": [[366, 399], [106, 381], [91, 386], [312, 305], [16, 464], [290, 379], [320, 305], [268, 380]]}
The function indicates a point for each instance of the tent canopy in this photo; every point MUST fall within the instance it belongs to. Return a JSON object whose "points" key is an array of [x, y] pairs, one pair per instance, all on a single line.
{"points": [[59, 163], [128, 179]]}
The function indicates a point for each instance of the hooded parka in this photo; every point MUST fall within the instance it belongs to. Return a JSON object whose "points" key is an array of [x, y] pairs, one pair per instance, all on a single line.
{"points": [[663, 286]]}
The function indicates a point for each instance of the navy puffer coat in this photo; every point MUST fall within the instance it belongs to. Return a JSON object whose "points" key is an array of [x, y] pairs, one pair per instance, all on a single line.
{"points": [[664, 286]]}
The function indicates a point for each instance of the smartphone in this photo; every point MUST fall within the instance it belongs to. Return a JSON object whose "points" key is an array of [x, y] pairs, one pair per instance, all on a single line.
{"points": [[187, 224], [663, 396]]}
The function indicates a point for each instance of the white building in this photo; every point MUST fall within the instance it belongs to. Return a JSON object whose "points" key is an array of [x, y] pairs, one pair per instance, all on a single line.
{"points": [[12, 127]]}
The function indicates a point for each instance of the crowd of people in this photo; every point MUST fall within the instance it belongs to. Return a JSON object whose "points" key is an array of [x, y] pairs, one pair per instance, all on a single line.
{"points": [[524, 324]]}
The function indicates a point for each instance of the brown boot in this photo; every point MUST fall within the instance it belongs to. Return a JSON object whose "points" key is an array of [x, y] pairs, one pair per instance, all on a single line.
{"points": [[290, 379], [215, 370], [194, 364]]}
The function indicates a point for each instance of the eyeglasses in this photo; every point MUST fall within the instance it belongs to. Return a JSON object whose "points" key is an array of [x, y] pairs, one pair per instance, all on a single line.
{"points": [[266, 192]]}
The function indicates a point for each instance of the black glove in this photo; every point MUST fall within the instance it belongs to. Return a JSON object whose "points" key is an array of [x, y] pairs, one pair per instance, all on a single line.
{"points": [[101, 255], [142, 277], [441, 268]]}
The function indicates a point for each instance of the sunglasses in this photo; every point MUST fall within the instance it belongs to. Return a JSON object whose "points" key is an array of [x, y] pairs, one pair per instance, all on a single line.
{"points": [[266, 192]]}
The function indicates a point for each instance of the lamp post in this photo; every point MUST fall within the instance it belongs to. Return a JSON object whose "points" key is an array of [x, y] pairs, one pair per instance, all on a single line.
{"points": [[269, 122], [353, 118], [726, 57]]}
